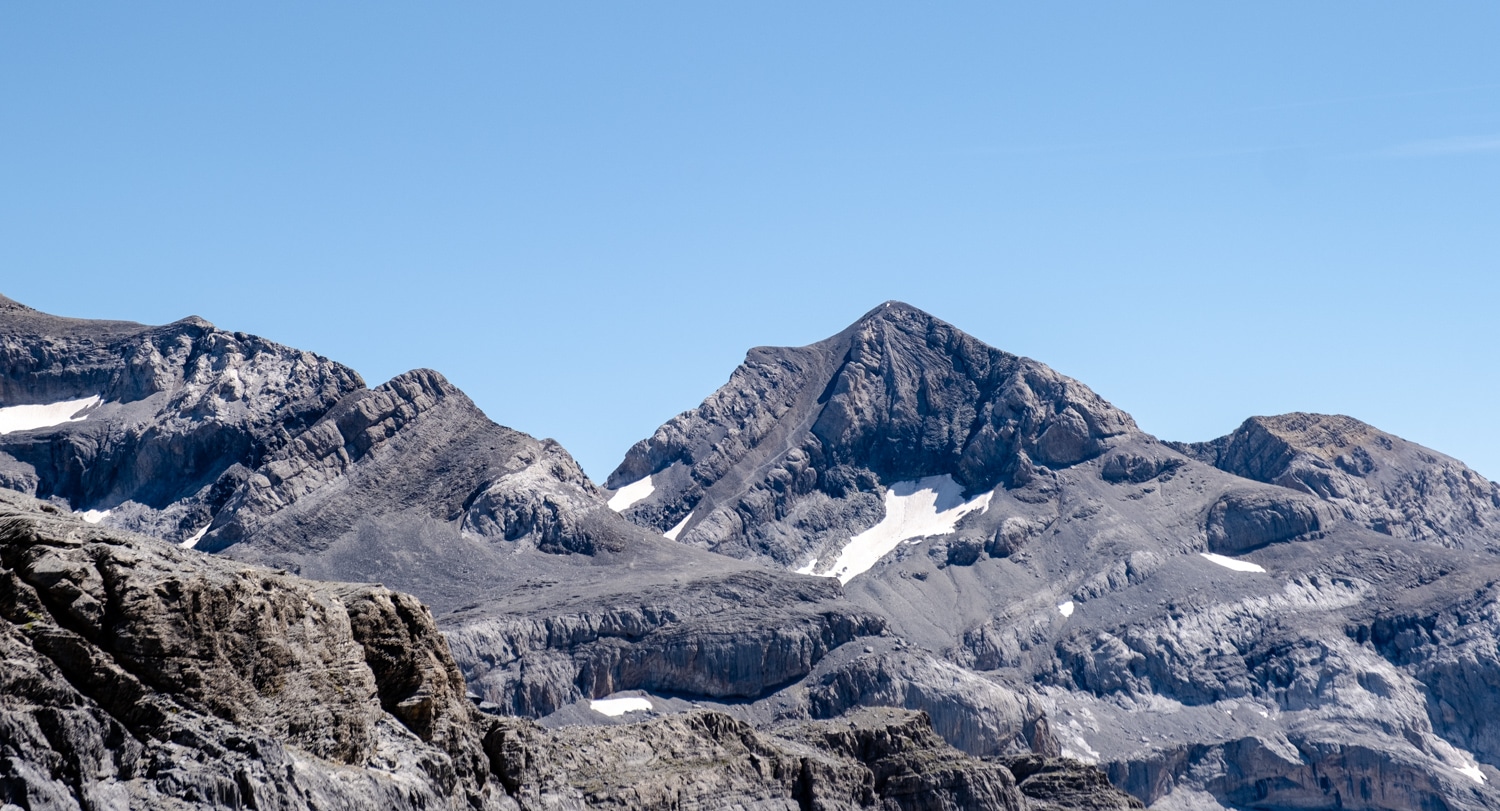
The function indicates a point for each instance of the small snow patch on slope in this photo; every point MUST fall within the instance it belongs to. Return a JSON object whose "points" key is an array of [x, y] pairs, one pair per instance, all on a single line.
{"points": [[94, 516], [672, 533], [615, 707], [929, 506], [196, 537], [1065, 609], [630, 494], [1232, 563], [32, 417], [1473, 773]]}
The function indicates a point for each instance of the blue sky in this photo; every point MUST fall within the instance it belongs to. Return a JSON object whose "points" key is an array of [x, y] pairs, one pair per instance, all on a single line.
{"points": [[584, 214]]}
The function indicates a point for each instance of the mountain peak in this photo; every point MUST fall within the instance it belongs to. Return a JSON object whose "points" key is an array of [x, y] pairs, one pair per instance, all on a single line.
{"points": [[899, 314], [898, 396], [894, 308]]}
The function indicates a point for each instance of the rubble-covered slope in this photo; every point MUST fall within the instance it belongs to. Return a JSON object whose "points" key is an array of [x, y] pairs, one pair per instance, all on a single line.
{"points": [[140, 675]]}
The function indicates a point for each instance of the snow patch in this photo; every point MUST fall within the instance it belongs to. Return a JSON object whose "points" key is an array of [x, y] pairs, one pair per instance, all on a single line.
{"points": [[928, 506], [808, 569], [615, 707], [630, 494], [1232, 563], [1473, 773], [196, 537], [1065, 609], [32, 417], [1084, 752], [94, 516], [672, 533]]}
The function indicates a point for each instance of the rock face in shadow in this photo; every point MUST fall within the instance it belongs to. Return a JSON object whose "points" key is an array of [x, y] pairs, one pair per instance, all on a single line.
{"points": [[736, 637], [1242, 521], [1373, 478]]}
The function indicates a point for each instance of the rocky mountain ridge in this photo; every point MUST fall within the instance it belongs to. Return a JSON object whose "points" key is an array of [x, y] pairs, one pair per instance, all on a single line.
{"points": [[997, 548], [1371, 477]]}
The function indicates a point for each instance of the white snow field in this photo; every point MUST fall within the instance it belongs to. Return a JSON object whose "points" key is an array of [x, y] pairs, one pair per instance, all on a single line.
{"points": [[1232, 563], [929, 506], [94, 516], [630, 494], [192, 541], [615, 707], [672, 533], [1065, 609], [32, 417]]}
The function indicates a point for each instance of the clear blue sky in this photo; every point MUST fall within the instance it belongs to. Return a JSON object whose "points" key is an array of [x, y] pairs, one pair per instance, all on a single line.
{"points": [[584, 213]]}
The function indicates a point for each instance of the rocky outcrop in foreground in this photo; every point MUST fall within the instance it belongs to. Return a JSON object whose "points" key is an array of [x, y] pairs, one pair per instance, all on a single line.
{"points": [[140, 675]]}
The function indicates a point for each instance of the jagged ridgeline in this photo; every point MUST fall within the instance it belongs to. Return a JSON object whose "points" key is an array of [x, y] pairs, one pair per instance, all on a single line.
{"points": [[894, 569]]}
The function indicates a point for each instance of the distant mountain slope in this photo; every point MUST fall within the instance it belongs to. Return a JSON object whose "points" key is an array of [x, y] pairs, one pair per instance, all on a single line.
{"points": [[169, 420], [1374, 478], [1215, 640]]}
